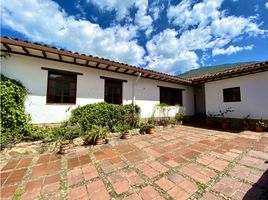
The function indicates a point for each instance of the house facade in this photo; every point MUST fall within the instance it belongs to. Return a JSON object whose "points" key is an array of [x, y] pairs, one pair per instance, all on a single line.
{"points": [[59, 81]]}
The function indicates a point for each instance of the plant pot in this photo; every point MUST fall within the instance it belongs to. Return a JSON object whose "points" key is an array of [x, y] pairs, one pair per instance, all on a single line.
{"points": [[210, 122], [150, 130], [259, 129], [225, 125], [125, 135], [99, 141], [180, 122], [64, 148], [244, 128]]}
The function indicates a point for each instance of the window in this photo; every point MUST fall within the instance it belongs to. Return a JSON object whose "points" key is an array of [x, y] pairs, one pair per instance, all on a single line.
{"points": [[170, 96], [61, 88], [231, 94], [113, 91]]}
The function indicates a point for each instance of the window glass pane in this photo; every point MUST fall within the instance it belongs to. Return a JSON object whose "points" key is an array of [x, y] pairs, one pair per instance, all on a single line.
{"points": [[170, 96], [231, 94], [113, 92], [61, 88]]}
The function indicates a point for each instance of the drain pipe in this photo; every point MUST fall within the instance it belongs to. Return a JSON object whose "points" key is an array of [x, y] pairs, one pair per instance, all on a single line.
{"points": [[133, 89]]}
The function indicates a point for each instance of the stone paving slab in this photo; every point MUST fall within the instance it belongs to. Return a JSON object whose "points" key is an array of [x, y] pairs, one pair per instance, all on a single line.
{"points": [[175, 163]]}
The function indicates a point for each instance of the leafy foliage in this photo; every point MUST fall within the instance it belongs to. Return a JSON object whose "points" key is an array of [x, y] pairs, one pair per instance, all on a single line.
{"points": [[261, 124], [105, 115], [15, 122]]}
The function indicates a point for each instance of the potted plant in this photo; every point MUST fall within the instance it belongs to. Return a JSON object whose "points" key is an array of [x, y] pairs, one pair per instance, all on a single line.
{"points": [[124, 132], [64, 146], [64, 143], [150, 129], [96, 135], [211, 119], [225, 122], [143, 128], [245, 123], [261, 125], [179, 118]]}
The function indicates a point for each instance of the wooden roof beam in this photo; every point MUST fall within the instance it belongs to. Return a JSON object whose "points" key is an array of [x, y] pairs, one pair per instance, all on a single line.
{"points": [[25, 50], [7, 47]]}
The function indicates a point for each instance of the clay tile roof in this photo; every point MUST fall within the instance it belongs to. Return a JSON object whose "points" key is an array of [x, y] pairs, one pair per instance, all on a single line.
{"points": [[238, 71], [242, 70]]}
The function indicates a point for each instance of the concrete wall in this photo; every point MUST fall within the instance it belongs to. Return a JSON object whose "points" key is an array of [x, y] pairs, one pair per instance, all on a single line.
{"points": [[90, 88], [254, 96]]}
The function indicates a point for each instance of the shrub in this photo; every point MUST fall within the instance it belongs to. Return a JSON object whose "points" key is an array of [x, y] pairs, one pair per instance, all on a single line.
{"points": [[105, 115], [15, 122]]}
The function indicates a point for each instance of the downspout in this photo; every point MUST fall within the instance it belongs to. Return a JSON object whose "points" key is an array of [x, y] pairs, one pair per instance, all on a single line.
{"points": [[133, 89]]}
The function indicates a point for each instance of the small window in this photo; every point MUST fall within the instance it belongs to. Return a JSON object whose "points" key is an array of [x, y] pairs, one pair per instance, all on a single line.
{"points": [[113, 91], [170, 96], [61, 88], [231, 94]]}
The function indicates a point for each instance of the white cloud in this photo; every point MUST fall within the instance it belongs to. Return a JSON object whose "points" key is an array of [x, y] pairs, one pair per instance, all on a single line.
{"points": [[234, 26], [266, 5], [122, 9], [186, 15], [45, 21], [230, 50], [167, 55]]}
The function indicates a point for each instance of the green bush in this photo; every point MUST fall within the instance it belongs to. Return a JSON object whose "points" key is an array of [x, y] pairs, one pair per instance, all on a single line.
{"points": [[15, 123], [105, 115]]}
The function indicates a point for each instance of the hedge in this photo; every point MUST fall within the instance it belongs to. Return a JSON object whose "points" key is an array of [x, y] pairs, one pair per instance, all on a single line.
{"points": [[15, 123], [104, 114]]}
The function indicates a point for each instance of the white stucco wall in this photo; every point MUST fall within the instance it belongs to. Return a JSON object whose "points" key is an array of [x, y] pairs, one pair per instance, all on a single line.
{"points": [[254, 96], [90, 88]]}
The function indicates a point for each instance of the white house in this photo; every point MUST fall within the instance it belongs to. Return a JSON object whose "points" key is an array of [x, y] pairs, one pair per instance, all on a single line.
{"points": [[60, 80]]}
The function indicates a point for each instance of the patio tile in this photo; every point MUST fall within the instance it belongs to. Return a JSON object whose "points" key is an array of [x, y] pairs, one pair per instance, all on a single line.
{"points": [[198, 172], [210, 196], [78, 193], [165, 184], [152, 168], [254, 162], [149, 193], [15, 176], [8, 192], [248, 174], [232, 188], [96, 190]]}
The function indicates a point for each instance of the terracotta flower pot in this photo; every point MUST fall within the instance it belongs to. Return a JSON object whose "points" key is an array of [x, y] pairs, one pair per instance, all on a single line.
{"points": [[99, 141], [150, 130], [180, 122], [64, 148], [225, 125], [210, 123], [259, 129], [125, 135]]}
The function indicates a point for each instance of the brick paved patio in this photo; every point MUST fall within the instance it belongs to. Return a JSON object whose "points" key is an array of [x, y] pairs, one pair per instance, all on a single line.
{"points": [[176, 163]]}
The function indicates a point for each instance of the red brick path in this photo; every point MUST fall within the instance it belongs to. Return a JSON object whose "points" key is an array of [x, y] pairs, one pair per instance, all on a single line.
{"points": [[177, 163]]}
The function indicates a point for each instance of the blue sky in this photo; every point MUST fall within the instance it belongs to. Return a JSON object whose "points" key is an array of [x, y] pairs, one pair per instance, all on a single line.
{"points": [[171, 36]]}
